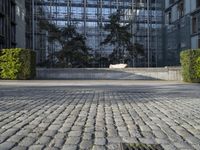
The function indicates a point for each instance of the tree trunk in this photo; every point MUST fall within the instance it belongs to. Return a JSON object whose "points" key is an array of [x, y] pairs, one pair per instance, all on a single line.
{"points": [[133, 61]]}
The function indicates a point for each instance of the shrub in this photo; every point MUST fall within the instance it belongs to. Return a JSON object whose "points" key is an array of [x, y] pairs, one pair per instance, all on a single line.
{"points": [[17, 64], [190, 61]]}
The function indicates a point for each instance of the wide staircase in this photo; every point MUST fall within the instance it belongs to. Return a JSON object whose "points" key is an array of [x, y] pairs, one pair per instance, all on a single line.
{"points": [[173, 73]]}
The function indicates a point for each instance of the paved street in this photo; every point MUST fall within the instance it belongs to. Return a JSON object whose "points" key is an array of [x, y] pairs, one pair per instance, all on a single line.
{"points": [[98, 115]]}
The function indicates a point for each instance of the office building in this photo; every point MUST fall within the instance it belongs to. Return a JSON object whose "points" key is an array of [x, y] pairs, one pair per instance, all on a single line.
{"points": [[182, 28], [7, 24], [148, 31], [90, 15]]}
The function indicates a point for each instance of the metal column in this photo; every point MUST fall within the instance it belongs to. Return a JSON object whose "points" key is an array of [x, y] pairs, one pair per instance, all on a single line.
{"points": [[85, 16], [33, 24], [148, 34]]}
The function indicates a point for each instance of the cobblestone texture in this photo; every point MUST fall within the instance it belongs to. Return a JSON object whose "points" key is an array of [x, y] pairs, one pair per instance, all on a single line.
{"points": [[99, 117]]}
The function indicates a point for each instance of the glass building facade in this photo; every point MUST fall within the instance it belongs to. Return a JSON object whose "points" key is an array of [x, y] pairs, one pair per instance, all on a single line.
{"points": [[148, 25], [90, 15], [7, 24]]}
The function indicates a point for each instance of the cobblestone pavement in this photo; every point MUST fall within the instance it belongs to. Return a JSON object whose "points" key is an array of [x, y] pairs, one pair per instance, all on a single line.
{"points": [[99, 117]]}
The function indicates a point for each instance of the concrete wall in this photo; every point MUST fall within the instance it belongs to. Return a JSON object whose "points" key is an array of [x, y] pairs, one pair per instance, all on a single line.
{"points": [[166, 3], [193, 5], [194, 42], [174, 13], [187, 5], [21, 25], [173, 74]]}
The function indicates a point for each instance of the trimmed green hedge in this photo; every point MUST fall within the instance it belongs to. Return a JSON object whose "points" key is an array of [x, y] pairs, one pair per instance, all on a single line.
{"points": [[17, 63], [190, 61]]}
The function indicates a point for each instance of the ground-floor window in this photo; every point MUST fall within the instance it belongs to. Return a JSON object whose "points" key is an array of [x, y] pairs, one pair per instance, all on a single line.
{"points": [[194, 24]]}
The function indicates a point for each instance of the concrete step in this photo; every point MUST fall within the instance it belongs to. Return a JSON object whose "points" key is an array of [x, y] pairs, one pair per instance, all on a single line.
{"points": [[110, 74]]}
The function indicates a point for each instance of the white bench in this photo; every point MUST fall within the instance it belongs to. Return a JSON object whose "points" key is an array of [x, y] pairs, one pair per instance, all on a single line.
{"points": [[118, 66]]}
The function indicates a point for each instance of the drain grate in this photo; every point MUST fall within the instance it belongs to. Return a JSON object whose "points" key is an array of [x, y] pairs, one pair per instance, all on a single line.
{"points": [[140, 146]]}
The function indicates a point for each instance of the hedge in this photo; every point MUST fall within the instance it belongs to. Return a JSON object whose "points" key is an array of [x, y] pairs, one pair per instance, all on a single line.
{"points": [[17, 63], [190, 61]]}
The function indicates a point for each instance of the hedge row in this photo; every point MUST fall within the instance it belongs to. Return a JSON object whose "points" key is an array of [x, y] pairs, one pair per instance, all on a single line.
{"points": [[190, 61], [17, 63]]}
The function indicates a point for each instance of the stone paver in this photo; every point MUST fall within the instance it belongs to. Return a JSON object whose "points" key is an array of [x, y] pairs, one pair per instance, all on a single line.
{"points": [[98, 115]]}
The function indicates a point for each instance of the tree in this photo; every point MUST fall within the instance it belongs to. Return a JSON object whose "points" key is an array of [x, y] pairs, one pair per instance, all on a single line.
{"points": [[133, 51], [118, 36], [74, 51]]}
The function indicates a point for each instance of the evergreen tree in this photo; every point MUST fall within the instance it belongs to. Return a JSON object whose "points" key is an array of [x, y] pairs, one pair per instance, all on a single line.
{"points": [[74, 51], [120, 37]]}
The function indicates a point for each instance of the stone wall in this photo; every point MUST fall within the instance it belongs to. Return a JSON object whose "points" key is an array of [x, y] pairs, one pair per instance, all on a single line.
{"points": [[172, 74]]}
